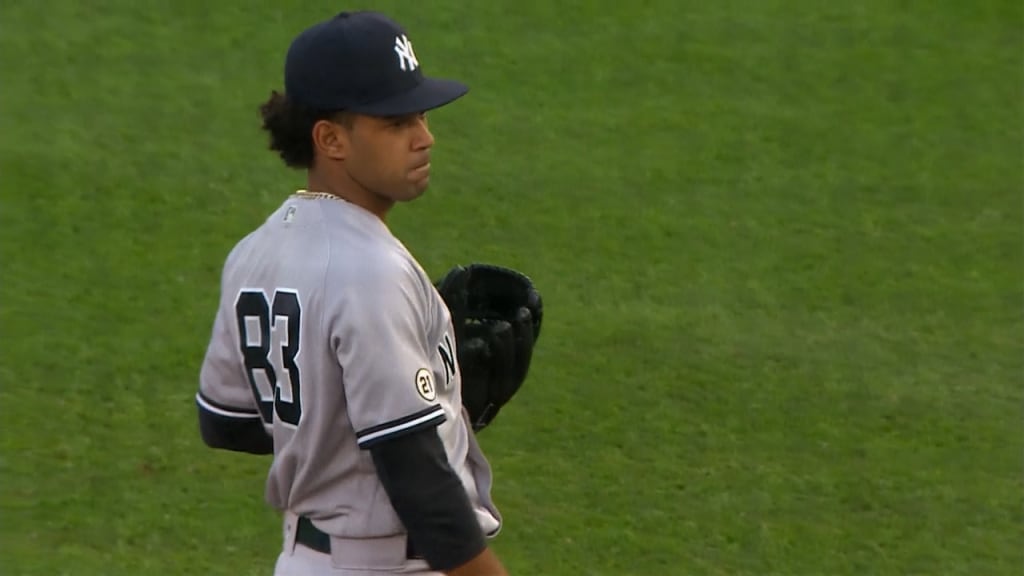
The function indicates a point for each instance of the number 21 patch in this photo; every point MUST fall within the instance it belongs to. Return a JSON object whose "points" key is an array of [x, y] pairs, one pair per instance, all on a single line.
{"points": [[425, 384]]}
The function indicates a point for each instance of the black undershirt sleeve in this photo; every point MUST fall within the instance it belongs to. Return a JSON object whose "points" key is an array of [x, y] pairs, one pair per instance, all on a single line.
{"points": [[429, 498], [236, 434]]}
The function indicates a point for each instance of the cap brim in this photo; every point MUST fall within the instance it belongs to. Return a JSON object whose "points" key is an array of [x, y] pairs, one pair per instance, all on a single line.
{"points": [[429, 94]]}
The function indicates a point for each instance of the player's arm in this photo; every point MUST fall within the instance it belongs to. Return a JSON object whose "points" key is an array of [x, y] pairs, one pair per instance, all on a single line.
{"points": [[433, 505], [392, 405], [228, 416], [228, 428]]}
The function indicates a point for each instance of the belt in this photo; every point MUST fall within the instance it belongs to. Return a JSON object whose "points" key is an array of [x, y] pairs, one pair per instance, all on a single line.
{"points": [[315, 539], [312, 537]]}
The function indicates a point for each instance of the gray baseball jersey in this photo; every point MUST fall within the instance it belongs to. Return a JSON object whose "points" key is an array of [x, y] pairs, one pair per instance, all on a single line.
{"points": [[331, 333]]}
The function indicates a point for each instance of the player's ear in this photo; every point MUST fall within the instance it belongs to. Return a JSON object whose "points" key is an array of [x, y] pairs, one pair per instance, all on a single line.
{"points": [[331, 139]]}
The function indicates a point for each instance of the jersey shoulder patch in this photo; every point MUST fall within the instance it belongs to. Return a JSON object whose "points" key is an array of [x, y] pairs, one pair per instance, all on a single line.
{"points": [[425, 385]]}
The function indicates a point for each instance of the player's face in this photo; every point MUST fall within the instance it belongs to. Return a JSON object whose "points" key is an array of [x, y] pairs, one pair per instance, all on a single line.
{"points": [[390, 157]]}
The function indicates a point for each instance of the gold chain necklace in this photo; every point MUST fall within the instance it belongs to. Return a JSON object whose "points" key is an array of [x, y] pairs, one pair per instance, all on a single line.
{"points": [[317, 196]]}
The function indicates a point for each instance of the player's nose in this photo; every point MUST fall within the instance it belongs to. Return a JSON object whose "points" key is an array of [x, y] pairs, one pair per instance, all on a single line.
{"points": [[424, 138]]}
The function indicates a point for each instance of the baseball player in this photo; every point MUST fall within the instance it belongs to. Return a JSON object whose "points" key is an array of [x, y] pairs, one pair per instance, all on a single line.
{"points": [[332, 349]]}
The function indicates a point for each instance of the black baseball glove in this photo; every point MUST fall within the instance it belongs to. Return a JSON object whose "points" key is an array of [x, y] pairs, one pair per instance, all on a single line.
{"points": [[497, 314]]}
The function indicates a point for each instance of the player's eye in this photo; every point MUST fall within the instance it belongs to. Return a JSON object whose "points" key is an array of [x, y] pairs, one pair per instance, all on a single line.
{"points": [[407, 120]]}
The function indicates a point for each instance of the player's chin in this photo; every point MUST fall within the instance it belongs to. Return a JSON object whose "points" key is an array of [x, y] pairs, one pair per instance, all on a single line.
{"points": [[416, 188]]}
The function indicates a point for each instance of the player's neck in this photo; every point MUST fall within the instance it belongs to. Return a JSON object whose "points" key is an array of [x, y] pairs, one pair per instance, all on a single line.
{"points": [[352, 192]]}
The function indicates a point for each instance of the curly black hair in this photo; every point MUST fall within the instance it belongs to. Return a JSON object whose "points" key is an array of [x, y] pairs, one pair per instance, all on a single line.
{"points": [[290, 126]]}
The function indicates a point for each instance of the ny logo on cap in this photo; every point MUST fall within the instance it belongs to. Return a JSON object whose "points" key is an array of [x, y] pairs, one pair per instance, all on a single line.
{"points": [[406, 57]]}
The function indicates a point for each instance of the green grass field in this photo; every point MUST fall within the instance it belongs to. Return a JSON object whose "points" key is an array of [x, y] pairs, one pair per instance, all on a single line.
{"points": [[780, 245]]}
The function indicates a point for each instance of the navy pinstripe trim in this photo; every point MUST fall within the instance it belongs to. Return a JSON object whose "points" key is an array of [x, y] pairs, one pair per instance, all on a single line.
{"points": [[205, 403], [431, 416]]}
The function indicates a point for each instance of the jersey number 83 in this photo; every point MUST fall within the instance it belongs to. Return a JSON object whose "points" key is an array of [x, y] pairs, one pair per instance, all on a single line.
{"points": [[268, 333]]}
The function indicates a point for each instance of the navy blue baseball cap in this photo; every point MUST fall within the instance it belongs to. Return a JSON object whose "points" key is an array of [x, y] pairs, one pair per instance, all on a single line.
{"points": [[362, 62]]}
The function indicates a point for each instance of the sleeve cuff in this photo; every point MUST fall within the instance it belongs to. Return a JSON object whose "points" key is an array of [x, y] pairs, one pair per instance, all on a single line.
{"points": [[431, 416], [225, 411]]}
